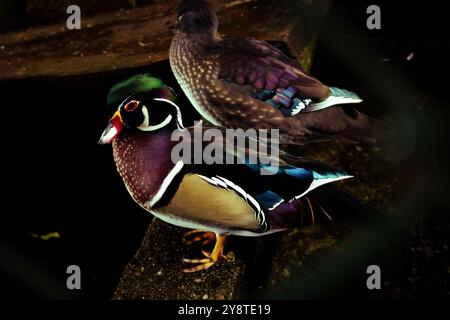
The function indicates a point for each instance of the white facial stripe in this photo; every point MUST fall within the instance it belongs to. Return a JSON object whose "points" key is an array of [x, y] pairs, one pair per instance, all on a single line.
{"points": [[145, 124], [179, 118], [158, 126], [146, 118], [123, 102]]}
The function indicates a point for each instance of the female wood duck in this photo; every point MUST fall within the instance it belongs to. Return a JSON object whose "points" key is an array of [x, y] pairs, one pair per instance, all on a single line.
{"points": [[245, 83], [227, 199]]}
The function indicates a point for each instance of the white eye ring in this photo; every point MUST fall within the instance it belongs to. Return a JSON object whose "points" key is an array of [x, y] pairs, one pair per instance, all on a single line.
{"points": [[180, 17]]}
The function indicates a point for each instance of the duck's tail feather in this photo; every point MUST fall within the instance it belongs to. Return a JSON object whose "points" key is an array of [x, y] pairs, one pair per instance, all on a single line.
{"points": [[327, 205], [335, 122]]}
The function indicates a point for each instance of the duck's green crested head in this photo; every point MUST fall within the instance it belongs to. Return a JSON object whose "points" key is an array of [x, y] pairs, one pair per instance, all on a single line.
{"points": [[140, 83], [141, 102]]}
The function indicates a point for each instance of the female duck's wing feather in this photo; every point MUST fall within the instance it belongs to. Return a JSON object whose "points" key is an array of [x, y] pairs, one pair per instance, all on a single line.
{"points": [[264, 67], [245, 70]]}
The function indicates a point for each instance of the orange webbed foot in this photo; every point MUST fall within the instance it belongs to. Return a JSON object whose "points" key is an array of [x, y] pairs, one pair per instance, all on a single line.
{"points": [[198, 236], [210, 258]]}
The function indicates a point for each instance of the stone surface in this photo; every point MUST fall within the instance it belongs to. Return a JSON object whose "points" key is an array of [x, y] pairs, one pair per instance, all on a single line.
{"points": [[155, 272]]}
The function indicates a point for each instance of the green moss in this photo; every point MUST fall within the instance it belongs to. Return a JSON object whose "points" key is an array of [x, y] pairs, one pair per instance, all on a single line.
{"points": [[306, 57]]}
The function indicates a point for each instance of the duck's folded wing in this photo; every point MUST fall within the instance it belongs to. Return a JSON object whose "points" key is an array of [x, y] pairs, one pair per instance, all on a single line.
{"points": [[260, 87], [243, 147], [236, 191], [254, 165], [264, 67]]}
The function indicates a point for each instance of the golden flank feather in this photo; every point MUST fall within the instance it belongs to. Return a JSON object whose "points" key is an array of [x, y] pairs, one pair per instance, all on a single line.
{"points": [[220, 207]]}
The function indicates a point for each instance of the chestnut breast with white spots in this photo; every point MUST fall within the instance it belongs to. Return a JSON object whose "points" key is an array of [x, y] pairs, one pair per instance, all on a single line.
{"points": [[143, 161]]}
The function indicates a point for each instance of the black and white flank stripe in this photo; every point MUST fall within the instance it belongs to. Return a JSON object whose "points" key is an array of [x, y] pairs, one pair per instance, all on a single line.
{"points": [[224, 183]]}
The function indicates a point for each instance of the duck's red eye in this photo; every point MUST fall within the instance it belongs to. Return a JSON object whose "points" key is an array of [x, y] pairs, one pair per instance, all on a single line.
{"points": [[131, 106]]}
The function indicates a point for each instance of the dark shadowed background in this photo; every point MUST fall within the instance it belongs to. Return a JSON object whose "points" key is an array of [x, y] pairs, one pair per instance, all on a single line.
{"points": [[57, 179]]}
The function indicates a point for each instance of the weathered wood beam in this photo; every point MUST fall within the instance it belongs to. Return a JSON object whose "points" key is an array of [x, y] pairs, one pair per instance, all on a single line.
{"points": [[141, 36]]}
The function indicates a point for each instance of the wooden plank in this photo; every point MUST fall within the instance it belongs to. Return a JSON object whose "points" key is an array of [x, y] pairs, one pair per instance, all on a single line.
{"points": [[45, 12], [133, 38]]}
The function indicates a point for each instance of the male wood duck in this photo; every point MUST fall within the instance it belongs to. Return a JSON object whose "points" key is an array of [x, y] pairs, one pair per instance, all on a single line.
{"points": [[226, 199], [245, 83]]}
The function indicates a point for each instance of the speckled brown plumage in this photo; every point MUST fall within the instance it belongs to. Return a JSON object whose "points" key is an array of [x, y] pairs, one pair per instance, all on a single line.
{"points": [[223, 77]]}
